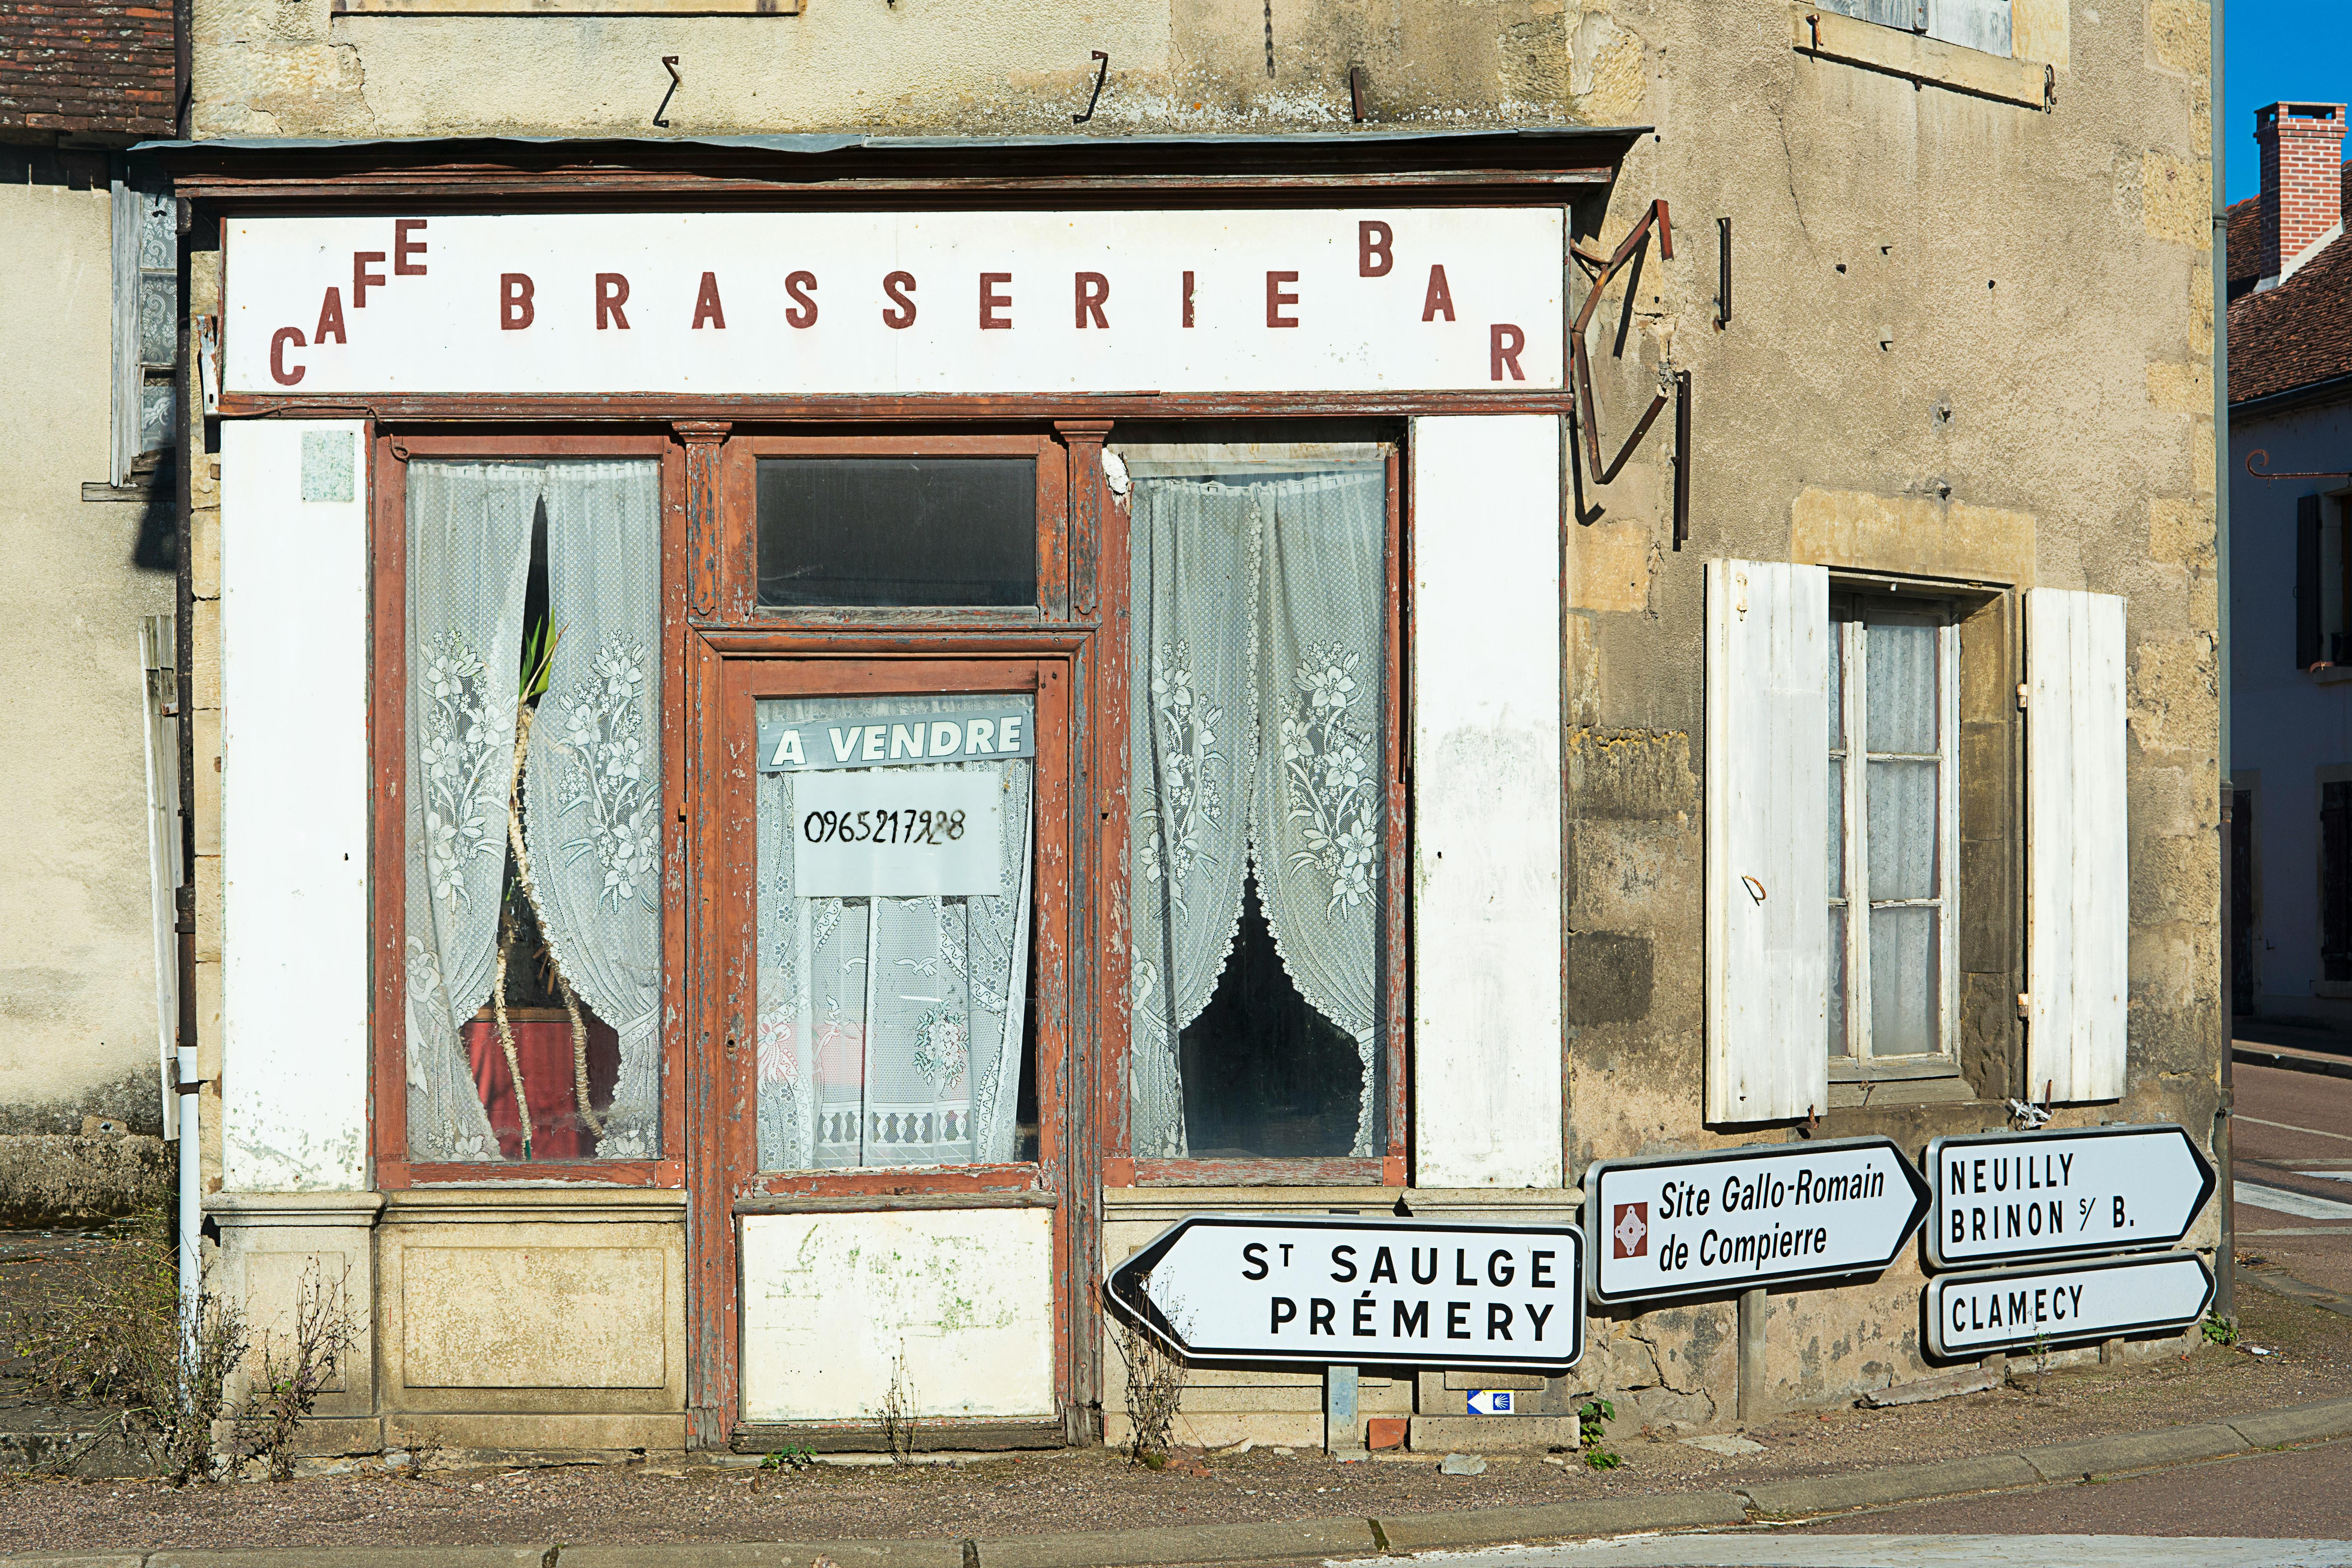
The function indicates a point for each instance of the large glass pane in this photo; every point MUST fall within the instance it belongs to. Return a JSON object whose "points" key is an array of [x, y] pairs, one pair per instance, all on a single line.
{"points": [[1838, 1044], [1904, 982], [897, 531], [1900, 690], [534, 823], [1258, 829], [1901, 825], [893, 927], [1837, 828], [1838, 630]]}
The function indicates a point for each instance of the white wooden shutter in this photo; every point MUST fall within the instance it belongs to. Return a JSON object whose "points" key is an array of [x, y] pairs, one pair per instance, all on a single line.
{"points": [[1767, 771], [2078, 860]]}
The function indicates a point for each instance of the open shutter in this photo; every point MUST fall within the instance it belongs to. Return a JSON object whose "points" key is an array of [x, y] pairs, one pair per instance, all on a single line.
{"points": [[2078, 864], [1980, 24], [2306, 583], [1767, 772]]}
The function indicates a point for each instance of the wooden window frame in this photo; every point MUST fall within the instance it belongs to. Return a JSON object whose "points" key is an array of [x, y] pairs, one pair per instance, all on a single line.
{"points": [[1850, 617], [388, 683], [1392, 1166]]}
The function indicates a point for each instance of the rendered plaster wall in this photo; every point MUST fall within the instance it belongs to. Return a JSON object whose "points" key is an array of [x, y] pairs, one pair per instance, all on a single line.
{"points": [[1970, 340], [77, 969]]}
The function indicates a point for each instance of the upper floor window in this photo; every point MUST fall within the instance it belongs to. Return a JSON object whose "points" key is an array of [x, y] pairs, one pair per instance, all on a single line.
{"points": [[1982, 25], [2323, 583]]}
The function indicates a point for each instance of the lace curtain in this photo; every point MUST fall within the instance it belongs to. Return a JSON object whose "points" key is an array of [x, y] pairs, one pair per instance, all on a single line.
{"points": [[591, 783], [889, 1030], [1256, 680]]}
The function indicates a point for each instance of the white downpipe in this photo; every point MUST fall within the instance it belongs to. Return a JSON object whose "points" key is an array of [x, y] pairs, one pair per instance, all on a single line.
{"points": [[191, 1208]]}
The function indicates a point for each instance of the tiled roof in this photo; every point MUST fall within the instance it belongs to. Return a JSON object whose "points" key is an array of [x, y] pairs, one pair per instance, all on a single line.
{"points": [[2297, 333], [88, 66]]}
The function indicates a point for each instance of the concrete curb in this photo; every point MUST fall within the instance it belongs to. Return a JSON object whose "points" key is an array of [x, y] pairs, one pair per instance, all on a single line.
{"points": [[1350, 1536], [2293, 1061]]}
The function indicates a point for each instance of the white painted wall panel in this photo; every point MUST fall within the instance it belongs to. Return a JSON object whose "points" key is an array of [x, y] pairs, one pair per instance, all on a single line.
{"points": [[294, 814], [1767, 631], [830, 1301], [1488, 932], [2078, 847], [1179, 301]]}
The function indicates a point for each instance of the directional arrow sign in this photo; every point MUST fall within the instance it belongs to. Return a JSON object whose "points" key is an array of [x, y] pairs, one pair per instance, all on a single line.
{"points": [[1271, 1287], [1686, 1225], [1969, 1314], [2015, 1197], [1490, 1401]]}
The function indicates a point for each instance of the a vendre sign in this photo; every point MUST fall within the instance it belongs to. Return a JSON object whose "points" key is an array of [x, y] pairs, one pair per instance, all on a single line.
{"points": [[836, 302]]}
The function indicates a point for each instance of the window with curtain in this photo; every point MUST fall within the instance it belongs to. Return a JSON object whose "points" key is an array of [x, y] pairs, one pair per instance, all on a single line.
{"points": [[893, 932], [1893, 677], [1259, 825], [533, 902]]}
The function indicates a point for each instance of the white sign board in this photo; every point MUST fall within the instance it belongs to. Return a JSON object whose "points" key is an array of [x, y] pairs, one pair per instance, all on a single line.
{"points": [[1969, 1314], [2012, 1196], [897, 834], [851, 739], [1687, 1225], [1260, 1287], [742, 302]]}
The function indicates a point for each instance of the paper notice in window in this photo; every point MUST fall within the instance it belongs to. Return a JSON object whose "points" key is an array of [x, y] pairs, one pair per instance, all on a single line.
{"points": [[898, 833]]}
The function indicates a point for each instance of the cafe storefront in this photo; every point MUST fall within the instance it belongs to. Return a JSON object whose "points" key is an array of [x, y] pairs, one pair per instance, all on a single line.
{"points": [[819, 739]]}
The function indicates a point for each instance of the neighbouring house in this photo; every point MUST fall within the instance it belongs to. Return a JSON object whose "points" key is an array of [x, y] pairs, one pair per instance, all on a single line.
{"points": [[855, 657], [2291, 610], [90, 249]]}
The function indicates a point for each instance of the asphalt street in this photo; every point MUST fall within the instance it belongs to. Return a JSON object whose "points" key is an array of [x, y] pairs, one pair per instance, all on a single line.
{"points": [[2293, 1165]]}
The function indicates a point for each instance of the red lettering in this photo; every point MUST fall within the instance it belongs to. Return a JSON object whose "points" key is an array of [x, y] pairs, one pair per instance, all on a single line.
{"points": [[612, 293], [362, 278], [1373, 242], [990, 301], [1439, 299], [331, 318], [515, 308], [1188, 299], [898, 286], [802, 313], [1094, 291], [1508, 343], [706, 304], [1276, 298], [403, 248], [285, 335]]}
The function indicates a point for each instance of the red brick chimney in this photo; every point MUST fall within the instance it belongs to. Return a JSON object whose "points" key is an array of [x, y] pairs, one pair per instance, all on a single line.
{"points": [[2303, 180]]}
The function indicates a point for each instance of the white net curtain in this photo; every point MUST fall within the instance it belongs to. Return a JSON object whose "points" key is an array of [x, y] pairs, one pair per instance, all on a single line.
{"points": [[1256, 682], [891, 1029], [591, 780]]}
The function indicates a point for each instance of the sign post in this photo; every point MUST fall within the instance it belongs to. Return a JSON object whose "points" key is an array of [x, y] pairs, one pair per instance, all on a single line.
{"points": [[2065, 1302], [1726, 1223], [2014, 1197], [1349, 1292]]}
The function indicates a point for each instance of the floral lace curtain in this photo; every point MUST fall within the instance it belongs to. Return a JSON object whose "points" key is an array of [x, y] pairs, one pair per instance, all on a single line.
{"points": [[591, 782], [889, 1030], [1256, 674]]}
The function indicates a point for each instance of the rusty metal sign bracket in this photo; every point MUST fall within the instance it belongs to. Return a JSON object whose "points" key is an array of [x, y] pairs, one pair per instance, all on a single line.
{"points": [[1587, 408], [2264, 472]]}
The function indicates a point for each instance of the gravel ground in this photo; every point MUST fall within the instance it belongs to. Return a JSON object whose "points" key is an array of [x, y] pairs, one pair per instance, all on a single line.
{"points": [[1090, 1490]]}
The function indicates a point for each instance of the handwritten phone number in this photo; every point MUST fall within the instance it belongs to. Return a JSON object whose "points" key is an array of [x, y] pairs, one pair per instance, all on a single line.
{"points": [[909, 826]]}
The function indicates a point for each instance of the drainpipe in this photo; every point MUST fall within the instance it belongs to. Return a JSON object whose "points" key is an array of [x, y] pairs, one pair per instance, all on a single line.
{"points": [[2225, 1297], [192, 1156]]}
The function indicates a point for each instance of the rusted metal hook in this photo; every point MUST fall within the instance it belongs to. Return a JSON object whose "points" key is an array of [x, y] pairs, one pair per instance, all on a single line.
{"points": [[1101, 71], [669, 63], [2264, 472]]}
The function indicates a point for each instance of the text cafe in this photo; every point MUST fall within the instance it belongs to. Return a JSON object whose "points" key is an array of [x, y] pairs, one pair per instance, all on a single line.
{"points": [[821, 739]]}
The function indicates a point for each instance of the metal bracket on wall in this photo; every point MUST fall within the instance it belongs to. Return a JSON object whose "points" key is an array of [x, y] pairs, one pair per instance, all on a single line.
{"points": [[2264, 472], [1102, 69], [1580, 361], [670, 64]]}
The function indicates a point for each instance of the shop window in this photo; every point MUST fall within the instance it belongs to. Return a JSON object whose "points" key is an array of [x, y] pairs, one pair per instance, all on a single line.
{"points": [[897, 532], [1982, 25], [1892, 831], [1259, 827], [894, 1020], [533, 897]]}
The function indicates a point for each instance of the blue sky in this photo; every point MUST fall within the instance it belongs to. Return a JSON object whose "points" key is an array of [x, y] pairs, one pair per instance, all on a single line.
{"points": [[2278, 51]]}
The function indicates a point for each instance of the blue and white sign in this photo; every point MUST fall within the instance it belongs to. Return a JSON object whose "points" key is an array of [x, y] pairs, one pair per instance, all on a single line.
{"points": [[2004, 1197], [1490, 1401]]}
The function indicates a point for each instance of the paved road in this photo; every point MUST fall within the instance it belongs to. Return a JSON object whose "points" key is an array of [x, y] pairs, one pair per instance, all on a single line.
{"points": [[2293, 1166]]}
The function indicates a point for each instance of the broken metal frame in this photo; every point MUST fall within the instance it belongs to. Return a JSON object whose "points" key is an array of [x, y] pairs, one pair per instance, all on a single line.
{"points": [[1579, 360]]}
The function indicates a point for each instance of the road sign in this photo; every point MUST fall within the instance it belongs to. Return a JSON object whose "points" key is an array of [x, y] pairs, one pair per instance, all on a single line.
{"points": [[1278, 1288], [2095, 1299], [1686, 1225], [1490, 1401], [2013, 1197]]}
